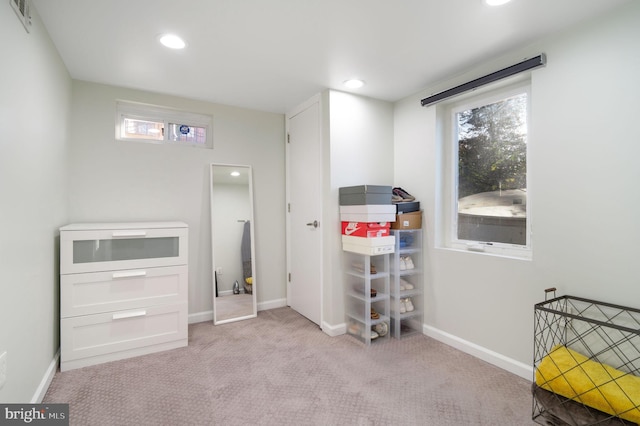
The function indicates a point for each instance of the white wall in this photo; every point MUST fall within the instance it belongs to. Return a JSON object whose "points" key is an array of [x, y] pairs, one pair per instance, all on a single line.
{"points": [[128, 181], [35, 96], [583, 162], [360, 143]]}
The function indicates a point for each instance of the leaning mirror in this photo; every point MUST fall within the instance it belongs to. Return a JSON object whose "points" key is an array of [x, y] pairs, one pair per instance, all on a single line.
{"points": [[232, 243]]}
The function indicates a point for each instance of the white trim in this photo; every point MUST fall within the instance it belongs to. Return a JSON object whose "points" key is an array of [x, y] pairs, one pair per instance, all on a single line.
{"points": [[262, 306], [201, 317], [272, 304], [511, 365], [448, 186], [334, 330], [43, 387]]}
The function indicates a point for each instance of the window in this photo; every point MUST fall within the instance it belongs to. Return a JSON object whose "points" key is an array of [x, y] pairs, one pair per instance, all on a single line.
{"points": [[487, 183], [155, 124]]}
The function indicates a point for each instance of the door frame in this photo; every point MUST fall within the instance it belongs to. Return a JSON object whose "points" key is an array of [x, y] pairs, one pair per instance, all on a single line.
{"points": [[295, 111]]}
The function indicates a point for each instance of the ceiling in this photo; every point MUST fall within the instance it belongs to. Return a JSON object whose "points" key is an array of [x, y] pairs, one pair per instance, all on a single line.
{"points": [[272, 55]]}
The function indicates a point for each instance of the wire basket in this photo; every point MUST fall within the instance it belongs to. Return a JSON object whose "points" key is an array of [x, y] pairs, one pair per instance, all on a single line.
{"points": [[586, 362]]}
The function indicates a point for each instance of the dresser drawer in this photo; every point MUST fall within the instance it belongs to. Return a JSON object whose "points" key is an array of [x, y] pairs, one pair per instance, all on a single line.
{"points": [[114, 333], [128, 247], [97, 292]]}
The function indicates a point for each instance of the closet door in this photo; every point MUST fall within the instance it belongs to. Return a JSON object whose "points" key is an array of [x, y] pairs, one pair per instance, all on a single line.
{"points": [[304, 191]]}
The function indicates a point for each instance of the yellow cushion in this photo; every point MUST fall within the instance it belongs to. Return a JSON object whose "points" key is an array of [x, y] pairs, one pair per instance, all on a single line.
{"points": [[597, 385]]}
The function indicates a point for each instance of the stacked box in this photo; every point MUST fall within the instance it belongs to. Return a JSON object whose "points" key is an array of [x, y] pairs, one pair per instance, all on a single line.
{"points": [[369, 246], [412, 220], [407, 207], [366, 229], [365, 194], [366, 212]]}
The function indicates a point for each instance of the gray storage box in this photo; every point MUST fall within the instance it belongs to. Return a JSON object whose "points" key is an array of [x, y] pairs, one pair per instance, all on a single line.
{"points": [[365, 194]]}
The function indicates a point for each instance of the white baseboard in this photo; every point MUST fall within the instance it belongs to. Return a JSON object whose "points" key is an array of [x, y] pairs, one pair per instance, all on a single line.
{"points": [[272, 304], [334, 330], [511, 365], [201, 317], [262, 306], [38, 396], [516, 367]]}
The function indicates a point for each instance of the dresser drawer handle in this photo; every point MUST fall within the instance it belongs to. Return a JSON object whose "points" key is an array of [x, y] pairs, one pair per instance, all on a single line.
{"points": [[129, 315], [129, 274], [117, 234]]}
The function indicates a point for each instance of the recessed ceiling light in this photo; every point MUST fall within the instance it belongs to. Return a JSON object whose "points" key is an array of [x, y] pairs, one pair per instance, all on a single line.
{"points": [[354, 83], [172, 41], [235, 174], [496, 2]]}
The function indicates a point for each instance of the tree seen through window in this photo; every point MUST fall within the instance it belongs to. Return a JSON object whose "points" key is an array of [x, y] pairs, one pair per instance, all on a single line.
{"points": [[492, 171]]}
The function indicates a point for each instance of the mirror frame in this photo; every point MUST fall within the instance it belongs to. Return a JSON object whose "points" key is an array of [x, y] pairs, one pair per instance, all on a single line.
{"points": [[253, 251]]}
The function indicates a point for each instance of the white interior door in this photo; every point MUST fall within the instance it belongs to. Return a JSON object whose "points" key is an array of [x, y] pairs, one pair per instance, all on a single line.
{"points": [[304, 162]]}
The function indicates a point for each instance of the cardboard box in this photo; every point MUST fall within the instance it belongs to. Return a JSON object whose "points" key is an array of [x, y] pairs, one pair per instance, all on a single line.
{"points": [[365, 194], [407, 207], [367, 230], [411, 220], [367, 217]]}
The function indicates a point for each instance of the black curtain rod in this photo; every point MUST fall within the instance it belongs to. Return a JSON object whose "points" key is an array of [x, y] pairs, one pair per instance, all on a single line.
{"points": [[489, 78]]}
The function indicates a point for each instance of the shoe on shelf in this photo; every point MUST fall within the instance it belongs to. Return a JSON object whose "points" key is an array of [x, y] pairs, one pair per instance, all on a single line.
{"points": [[354, 328], [360, 268], [374, 314], [405, 285], [408, 262], [381, 328], [374, 335], [396, 199], [403, 265], [399, 192], [403, 306], [408, 304]]}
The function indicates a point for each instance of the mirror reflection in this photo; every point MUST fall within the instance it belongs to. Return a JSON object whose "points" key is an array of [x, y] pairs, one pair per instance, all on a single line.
{"points": [[232, 243]]}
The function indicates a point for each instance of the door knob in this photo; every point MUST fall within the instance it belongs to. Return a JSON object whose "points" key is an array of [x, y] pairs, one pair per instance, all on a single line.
{"points": [[315, 224]]}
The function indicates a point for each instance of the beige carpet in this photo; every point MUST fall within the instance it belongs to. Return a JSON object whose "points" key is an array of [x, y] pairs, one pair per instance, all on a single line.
{"points": [[280, 369]]}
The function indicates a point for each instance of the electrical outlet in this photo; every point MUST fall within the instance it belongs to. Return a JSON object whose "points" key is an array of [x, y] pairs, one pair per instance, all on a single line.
{"points": [[3, 368], [219, 270]]}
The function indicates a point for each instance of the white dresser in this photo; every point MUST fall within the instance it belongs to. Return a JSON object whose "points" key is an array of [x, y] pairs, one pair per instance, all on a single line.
{"points": [[123, 290]]}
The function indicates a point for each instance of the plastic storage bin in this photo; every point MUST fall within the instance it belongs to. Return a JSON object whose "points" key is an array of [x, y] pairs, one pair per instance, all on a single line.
{"points": [[407, 310], [367, 296]]}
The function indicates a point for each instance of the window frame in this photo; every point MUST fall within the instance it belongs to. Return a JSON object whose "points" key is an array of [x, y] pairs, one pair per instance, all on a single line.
{"points": [[165, 115], [449, 178]]}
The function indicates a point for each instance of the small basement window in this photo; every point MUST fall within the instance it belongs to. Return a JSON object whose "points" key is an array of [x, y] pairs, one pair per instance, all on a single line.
{"points": [[161, 125]]}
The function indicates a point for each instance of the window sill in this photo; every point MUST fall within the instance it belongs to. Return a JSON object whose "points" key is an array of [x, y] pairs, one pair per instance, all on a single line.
{"points": [[504, 252]]}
